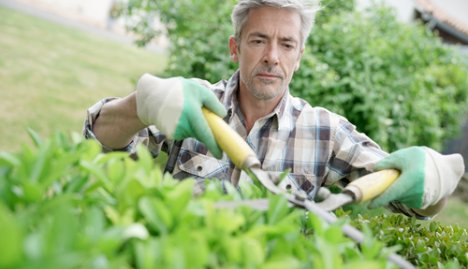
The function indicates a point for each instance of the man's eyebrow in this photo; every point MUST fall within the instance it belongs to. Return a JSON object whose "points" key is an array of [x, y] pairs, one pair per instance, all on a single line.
{"points": [[289, 39], [258, 34], [265, 36]]}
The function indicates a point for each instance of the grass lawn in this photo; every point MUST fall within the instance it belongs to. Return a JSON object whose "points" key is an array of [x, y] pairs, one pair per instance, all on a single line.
{"points": [[50, 74]]}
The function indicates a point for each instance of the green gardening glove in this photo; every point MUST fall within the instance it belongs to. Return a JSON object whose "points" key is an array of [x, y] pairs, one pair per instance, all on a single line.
{"points": [[426, 177], [174, 106]]}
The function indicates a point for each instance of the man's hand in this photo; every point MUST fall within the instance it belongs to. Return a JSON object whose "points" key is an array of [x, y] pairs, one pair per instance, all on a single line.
{"points": [[426, 178], [174, 105]]}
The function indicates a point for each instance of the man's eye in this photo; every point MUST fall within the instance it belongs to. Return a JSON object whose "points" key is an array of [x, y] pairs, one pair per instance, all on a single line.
{"points": [[257, 41], [288, 46]]}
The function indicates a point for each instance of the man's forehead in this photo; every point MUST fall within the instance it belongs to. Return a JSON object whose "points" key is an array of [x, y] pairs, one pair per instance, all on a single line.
{"points": [[266, 21]]}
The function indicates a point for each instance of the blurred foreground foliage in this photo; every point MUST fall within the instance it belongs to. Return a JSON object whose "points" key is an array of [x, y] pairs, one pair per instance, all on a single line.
{"points": [[396, 82], [64, 204]]}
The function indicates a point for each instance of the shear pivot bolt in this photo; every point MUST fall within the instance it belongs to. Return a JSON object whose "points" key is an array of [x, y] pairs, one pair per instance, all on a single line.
{"points": [[300, 195]]}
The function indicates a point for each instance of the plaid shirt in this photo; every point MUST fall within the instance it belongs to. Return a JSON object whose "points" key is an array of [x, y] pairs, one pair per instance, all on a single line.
{"points": [[317, 146]]}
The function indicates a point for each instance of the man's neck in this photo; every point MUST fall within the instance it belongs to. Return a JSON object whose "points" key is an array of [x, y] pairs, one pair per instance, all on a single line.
{"points": [[254, 109]]}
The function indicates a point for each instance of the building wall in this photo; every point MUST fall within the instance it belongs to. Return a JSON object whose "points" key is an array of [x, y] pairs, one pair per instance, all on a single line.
{"points": [[95, 12]]}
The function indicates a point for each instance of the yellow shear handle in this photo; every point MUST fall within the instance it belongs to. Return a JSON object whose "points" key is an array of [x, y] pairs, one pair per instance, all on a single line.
{"points": [[364, 188], [229, 141], [372, 185]]}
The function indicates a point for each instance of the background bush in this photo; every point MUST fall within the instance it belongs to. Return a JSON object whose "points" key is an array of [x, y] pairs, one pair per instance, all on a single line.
{"points": [[198, 32], [397, 82]]}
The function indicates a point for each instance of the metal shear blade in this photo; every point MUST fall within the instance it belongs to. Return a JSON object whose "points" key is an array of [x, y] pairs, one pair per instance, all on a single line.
{"points": [[335, 201]]}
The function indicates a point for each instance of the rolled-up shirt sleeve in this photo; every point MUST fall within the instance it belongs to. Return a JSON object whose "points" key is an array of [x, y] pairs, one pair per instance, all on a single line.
{"points": [[151, 137], [355, 155]]}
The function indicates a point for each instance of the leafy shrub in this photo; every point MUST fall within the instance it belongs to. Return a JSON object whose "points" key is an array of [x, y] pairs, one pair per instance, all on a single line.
{"points": [[398, 83], [64, 204], [423, 244]]}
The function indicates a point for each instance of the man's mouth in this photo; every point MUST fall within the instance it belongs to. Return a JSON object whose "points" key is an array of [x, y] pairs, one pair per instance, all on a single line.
{"points": [[265, 75]]}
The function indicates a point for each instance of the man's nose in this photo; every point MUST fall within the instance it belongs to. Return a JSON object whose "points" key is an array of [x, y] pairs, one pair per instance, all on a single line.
{"points": [[271, 54]]}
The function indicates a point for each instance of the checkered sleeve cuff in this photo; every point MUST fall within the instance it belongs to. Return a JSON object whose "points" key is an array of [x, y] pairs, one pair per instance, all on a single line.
{"points": [[92, 114]]}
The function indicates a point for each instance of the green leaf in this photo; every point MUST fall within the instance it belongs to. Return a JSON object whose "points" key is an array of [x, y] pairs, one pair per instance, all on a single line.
{"points": [[34, 137], [156, 214], [11, 239], [277, 209], [8, 159], [98, 173], [144, 158], [281, 263], [253, 252], [115, 169], [41, 163], [179, 197], [31, 192]]}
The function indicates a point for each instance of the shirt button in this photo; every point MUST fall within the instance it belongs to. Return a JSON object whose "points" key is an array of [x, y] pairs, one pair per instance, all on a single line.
{"points": [[199, 168]]}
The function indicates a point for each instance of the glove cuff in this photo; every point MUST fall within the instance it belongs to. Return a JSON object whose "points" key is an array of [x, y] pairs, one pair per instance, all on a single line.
{"points": [[443, 172], [158, 104]]}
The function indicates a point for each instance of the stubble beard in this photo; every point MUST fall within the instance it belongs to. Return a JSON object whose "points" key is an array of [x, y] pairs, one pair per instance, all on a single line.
{"points": [[264, 92], [264, 89]]}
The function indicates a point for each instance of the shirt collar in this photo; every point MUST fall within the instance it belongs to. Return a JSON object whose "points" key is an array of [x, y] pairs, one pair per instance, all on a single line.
{"points": [[230, 93], [232, 104]]}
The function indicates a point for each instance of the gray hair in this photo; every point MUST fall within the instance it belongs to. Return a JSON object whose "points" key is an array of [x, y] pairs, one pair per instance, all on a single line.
{"points": [[305, 8]]}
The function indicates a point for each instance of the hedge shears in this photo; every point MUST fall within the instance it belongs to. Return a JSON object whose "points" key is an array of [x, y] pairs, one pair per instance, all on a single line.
{"points": [[244, 158], [363, 189]]}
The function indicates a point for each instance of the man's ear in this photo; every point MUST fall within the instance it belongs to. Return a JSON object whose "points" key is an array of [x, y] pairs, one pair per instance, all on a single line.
{"points": [[233, 49], [298, 63]]}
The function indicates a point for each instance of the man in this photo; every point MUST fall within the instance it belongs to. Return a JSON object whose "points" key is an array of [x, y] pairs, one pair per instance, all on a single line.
{"points": [[318, 146]]}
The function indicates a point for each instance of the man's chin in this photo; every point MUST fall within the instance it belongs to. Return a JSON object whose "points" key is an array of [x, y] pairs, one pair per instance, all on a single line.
{"points": [[266, 93]]}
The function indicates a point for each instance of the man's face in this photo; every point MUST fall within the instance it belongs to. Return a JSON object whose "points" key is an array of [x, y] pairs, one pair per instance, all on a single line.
{"points": [[269, 51]]}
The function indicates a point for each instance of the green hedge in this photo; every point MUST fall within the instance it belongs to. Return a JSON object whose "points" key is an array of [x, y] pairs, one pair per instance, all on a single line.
{"points": [[397, 82], [64, 204], [426, 244]]}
